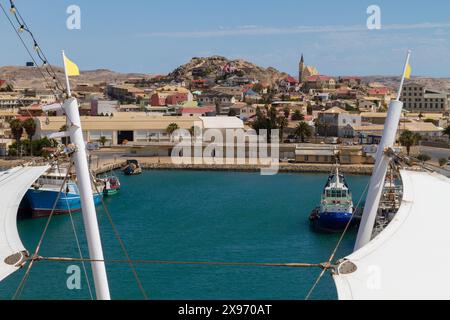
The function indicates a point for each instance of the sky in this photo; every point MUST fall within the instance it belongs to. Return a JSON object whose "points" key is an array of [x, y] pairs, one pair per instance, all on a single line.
{"points": [[156, 36]]}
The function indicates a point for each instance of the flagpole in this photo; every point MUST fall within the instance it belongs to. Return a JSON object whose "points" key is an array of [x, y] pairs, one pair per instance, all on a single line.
{"points": [[91, 227], [382, 163], [69, 93], [402, 82]]}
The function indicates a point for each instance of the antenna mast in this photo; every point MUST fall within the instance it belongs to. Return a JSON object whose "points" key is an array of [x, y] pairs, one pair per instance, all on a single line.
{"points": [[381, 166], [75, 132]]}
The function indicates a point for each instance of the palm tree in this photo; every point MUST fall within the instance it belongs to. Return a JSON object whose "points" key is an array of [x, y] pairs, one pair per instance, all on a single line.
{"points": [[409, 139], [30, 127], [282, 122], [103, 140], [303, 131], [298, 116], [17, 132], [16, 127], [447, 132], [321, 125], [195, 132], [171, 128]]}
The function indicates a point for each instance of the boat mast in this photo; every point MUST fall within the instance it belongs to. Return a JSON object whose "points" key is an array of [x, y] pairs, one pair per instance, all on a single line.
{"points": [[75, 132], [381, 166]]}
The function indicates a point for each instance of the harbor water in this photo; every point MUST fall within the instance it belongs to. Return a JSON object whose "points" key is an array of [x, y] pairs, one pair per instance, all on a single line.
{"points": [[196, 216]]}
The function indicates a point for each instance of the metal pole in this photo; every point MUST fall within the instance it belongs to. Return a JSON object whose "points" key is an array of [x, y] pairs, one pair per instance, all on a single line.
{"points": [[70, 107], [381, 167]]}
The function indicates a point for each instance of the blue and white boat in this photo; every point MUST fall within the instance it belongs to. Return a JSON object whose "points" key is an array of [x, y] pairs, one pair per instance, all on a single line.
{"points": [[336, 207], [41, 197]]}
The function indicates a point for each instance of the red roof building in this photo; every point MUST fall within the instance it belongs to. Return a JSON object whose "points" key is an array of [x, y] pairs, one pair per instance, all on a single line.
{"points": [[201, 111]]}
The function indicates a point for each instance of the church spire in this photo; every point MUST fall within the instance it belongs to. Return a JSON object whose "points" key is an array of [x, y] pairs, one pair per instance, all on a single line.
{"points": [[301, 68]]}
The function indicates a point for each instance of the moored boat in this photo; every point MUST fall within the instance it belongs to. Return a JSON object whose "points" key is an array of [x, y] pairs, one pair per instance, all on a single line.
{"points": [[132, 168], [111, 185], [336, 207], [42, 198]]}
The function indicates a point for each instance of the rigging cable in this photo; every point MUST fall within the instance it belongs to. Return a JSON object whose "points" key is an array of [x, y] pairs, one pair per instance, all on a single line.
{"points": [[23, 26], [24, 44], [192, 263], [79, 247], [22, 283], [328, 264], [121, 243]]}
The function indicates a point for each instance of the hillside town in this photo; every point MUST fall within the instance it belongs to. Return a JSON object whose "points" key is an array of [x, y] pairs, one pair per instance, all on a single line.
{"points": [[318, 115]]}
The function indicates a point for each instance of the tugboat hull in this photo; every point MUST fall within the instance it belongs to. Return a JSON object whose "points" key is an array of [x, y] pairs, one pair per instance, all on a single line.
{"points": [[331, 222]]}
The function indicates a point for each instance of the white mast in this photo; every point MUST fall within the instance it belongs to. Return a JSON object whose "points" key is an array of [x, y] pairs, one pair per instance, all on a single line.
{"points": [[381, 166], [70, 107]]}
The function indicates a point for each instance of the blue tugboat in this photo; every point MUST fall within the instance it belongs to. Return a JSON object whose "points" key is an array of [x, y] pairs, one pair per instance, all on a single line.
{"points": [[40, 198], [336, 207]]}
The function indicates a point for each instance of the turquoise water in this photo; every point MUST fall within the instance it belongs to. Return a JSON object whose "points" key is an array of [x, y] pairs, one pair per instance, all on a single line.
{"points": [[197, 216]]}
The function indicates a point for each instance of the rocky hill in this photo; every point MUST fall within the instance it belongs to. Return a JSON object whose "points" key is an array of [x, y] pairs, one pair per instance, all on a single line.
{"points": [[31, 77], [217, 67], [393, 82]]}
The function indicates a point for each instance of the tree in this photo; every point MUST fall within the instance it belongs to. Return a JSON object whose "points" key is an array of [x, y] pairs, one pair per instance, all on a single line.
{"points": [[16, 127], [282, 123], [423, 157], [30, 128], [303, 131], [298, 116], [409, 139], [287, 112], [195, 132], [103, 140], [443, 162], [232, 113], [171, 128], [447, 132]]}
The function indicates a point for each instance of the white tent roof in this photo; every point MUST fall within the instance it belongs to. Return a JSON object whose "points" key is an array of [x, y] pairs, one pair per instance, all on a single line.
{"points": [[222, 123], [14, 184], [410, 258]]}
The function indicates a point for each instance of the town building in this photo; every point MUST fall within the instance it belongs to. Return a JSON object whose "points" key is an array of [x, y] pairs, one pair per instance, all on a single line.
{"points": [[103, 107], [425, 129], [328, 154], [350, 81], [334, 122], [382, 93], [11, 101], [319, 83], [133, 128], [125, 93], [417, 98]]}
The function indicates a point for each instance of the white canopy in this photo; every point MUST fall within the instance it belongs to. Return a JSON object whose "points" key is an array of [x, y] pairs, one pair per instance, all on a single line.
{"points": [[14, 184], [410, 258]]}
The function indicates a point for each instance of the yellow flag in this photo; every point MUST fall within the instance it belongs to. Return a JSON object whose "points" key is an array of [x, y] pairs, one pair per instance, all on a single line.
{"points": [[71, 68], [408, 72]]}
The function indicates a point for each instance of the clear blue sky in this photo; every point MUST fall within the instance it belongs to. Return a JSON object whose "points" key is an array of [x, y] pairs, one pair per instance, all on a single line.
{"points": [[158, 35]]}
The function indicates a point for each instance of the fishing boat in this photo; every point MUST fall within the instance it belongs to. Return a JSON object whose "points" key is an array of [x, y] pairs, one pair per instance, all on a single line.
{"points": [[336, 207], [132, 168], [42, 197], [111, 185]]}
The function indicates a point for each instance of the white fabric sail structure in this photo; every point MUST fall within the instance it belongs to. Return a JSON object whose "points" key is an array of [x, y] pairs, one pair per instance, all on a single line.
{"points": [[410, 258], [14, 184]]}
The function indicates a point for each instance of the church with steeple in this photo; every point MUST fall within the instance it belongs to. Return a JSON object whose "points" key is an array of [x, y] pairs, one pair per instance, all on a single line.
{"points": [[305, 71]]}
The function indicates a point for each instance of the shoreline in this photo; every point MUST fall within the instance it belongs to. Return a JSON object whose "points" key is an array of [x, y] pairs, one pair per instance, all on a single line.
{"points": [[161, 164], [283, 168]]}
